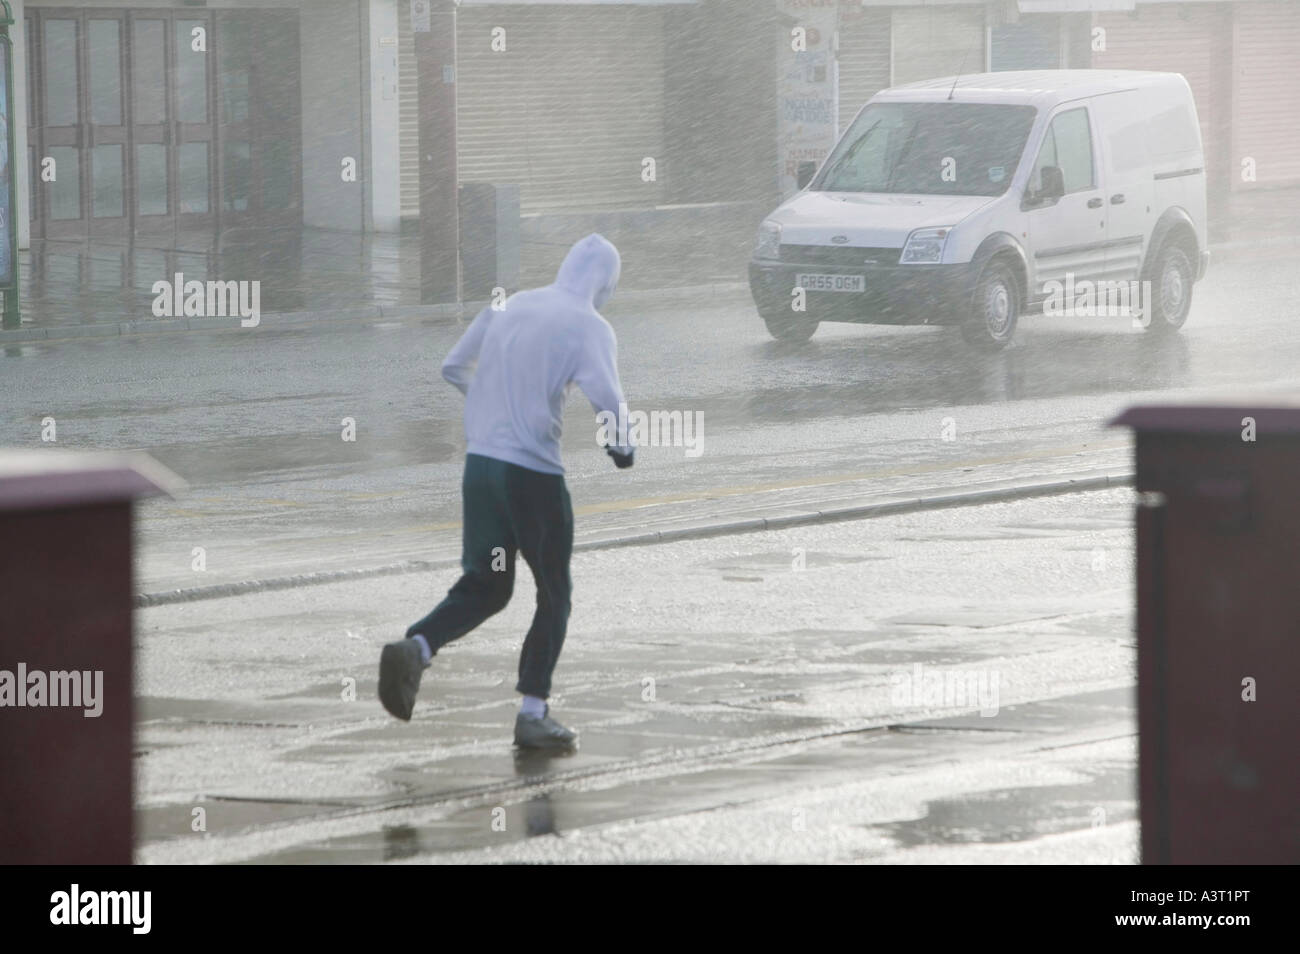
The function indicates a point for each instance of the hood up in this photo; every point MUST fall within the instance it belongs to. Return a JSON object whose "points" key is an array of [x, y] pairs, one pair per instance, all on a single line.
{"points": [[590, 270]]}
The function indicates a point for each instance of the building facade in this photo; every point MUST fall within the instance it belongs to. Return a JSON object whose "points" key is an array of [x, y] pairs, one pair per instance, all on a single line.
{"points": [[166, 123], [170, 123]]}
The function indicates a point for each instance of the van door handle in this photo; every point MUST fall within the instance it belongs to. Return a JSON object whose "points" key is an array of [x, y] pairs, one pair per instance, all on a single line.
{"points": [[1094, 203], [1117, 199]]}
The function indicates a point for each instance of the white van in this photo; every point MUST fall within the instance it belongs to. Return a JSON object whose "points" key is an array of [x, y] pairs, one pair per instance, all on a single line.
{"points": [[972, 200]]}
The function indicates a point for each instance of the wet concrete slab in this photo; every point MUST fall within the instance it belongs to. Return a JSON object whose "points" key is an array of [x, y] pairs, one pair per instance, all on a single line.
{"points": [[546, 807], [268, 714], [180, 820], [1050, 716], [723, 706]]}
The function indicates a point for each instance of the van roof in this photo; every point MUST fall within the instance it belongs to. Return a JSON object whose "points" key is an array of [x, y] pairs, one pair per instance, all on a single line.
{"points": [[1043, 88]]}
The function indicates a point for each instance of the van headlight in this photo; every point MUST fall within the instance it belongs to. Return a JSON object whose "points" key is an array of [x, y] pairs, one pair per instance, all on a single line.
{"points": [[768, 244], [925, 246]]}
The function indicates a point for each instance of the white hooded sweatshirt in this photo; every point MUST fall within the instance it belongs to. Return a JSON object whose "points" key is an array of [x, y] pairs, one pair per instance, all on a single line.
{"points": [[514, 366]]}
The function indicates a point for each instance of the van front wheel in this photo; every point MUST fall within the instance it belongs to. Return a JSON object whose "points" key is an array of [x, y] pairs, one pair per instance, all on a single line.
{"points": [[994, 311], [1171, 291]]}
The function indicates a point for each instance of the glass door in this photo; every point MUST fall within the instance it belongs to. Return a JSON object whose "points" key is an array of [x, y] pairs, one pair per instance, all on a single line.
{"points": [[61, 154], [80, 176], [161, 127], [123, 133], [193, 128], [106, 128], [171, 126], [151, 129]]}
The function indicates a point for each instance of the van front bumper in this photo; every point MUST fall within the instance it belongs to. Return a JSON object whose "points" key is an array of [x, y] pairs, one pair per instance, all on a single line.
{"points": [[892, 294]]}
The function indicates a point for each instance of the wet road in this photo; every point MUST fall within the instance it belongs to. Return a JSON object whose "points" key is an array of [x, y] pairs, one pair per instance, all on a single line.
{"points": [[253, 420]]}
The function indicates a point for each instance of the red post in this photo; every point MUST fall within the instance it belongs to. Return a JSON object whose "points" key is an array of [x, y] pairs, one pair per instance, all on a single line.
{"points": [[66, 716], [1218, 596]]}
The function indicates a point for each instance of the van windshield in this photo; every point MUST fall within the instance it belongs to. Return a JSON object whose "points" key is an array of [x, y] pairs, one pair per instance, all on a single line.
{"points": [[929, 149]]}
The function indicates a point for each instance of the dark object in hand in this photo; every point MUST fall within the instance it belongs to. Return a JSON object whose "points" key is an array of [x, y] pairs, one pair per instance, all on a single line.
{"points": [[622, 461]]}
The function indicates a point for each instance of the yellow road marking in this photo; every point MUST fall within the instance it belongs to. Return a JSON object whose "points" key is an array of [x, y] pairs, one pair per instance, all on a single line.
{"points": [[743, 489], [618, 506]]}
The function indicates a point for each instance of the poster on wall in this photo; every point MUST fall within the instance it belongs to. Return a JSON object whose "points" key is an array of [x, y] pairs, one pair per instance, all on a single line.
{"points": [[420, 16], [806, 87]]}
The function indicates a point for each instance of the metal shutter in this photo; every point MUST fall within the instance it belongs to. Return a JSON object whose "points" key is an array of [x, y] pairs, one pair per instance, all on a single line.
{"points": [[569, 110], [1266, 106], [1175, 39], [408, 118], [930, 42], [1032, 43], [863, 58]]}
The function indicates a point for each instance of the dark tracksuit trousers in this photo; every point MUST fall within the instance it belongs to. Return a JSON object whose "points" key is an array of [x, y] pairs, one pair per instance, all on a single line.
{"points": [[510, 509]]}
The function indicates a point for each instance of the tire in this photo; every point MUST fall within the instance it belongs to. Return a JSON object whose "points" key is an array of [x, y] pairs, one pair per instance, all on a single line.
{"points": [[786, 325], [995, 309], [1171, 290]]}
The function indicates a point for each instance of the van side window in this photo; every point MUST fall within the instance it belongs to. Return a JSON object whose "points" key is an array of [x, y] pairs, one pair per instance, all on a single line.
{"points": [[1068, 144]]}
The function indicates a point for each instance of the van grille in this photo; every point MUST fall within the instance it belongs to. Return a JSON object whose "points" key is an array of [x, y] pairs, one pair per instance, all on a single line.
{"points": [[839, 257]]}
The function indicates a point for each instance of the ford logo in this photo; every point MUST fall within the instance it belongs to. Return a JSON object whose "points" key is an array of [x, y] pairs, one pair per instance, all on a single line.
{"points": [[839, 239]]}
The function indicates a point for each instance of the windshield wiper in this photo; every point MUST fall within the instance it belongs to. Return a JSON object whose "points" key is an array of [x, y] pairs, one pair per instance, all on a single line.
{"points": [[852, 151], [898, 163]]}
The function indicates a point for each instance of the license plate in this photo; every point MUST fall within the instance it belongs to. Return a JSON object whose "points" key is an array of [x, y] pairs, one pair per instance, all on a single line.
{"points": [[830, 283]]}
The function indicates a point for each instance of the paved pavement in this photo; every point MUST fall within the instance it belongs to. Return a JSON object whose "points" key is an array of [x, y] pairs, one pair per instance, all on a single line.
{"points": [[310, 276], [762, 697]]}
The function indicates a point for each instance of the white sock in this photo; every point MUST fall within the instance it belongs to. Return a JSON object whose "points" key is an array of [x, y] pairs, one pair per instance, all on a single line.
{"points": [[425, 652], [533, 707]]}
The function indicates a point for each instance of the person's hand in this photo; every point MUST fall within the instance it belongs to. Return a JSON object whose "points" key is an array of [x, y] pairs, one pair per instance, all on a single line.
{"points": [[621, 461]]}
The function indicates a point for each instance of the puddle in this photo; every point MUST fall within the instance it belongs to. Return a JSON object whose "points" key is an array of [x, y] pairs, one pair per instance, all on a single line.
{"points": [[1023, 814]]}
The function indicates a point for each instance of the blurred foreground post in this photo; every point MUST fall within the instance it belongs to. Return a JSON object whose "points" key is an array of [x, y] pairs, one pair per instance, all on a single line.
{"points": [[65, 653], [1218, 615]]}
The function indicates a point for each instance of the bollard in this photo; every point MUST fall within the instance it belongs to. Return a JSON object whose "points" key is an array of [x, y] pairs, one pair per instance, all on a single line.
{"points": [[1218, 616], [66, 655]]}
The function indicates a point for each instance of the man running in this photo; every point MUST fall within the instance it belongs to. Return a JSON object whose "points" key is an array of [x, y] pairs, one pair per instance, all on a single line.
{"points": [[514, 367]]}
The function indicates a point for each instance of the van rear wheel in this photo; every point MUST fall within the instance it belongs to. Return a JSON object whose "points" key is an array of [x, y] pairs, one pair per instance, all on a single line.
{"points": [[994, 310], [1171, 291]]}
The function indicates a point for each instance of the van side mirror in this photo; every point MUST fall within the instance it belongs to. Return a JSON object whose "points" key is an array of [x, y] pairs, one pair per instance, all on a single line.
{"points": [[1053, 184], [804, 173]]}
